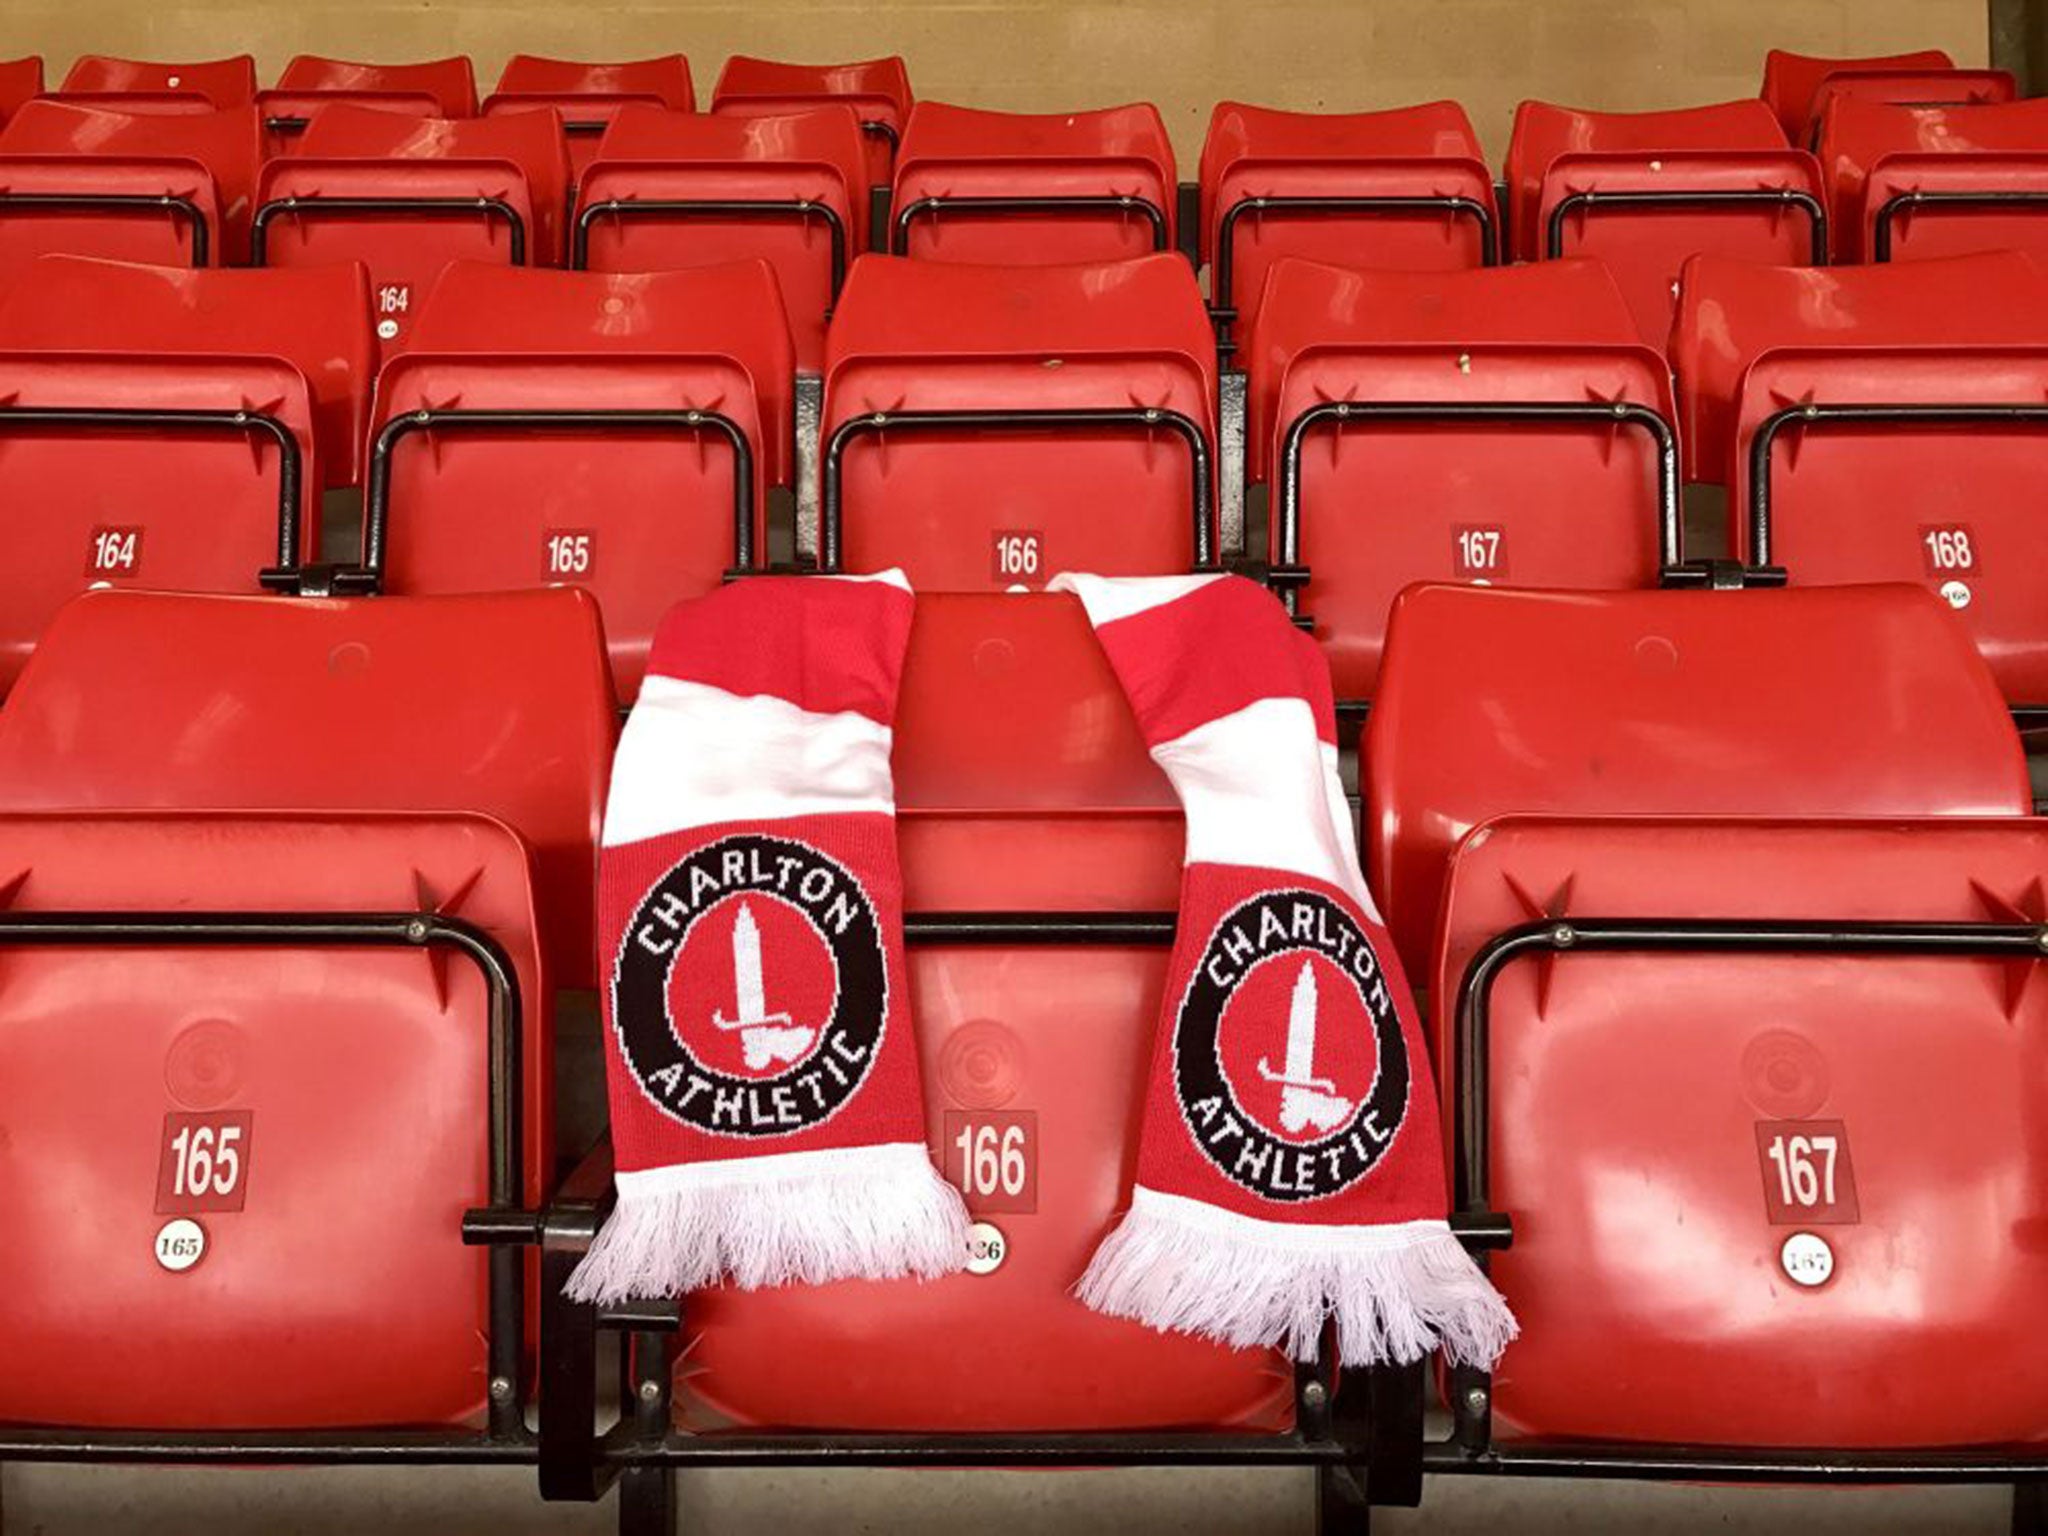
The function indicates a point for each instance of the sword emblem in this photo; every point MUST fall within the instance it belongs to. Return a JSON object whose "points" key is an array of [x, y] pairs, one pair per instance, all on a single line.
{"points": [[765, 1038], [1305, 1099]]}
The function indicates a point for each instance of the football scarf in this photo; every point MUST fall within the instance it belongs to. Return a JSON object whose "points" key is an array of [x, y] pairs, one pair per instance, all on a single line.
{"points": [[766, 1110]]}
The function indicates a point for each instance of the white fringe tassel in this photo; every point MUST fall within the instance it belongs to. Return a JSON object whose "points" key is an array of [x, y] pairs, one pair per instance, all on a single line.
{"points": [[872, 1213], [1398, 1292]]}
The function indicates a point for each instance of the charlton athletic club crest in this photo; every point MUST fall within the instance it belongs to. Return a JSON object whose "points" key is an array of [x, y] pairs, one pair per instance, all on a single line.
{"points": [[750, 989], [1288, 1057]]}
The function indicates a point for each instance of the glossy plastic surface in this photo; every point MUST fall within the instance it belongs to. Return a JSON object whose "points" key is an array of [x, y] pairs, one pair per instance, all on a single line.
{"points": [[516, 159], [638, 518], [1022, 784], [1844, 701], [498, 704], [921, 336], [1565, 503], [1635, 1099], [229, 82], [1876, 153], [1428, 151], [317, 320], [814, 157], [589, 97], [204, 158], [357, 1077], [21, 80], [878, 89], [431, 88], [1113, 153], [1791, 80]]}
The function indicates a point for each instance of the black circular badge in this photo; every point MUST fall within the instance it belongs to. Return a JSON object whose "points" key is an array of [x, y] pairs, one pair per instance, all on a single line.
{"points": [[750, 989], [1288, 1056]]}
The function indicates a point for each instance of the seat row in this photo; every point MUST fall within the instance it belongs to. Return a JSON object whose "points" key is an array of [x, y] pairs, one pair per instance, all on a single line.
{"points": [[985, 427], [377, 165], [1728, 901]]}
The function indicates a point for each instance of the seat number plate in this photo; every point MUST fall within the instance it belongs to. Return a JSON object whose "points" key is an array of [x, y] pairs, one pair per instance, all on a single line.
{"points": [[114, 552], [569, 552], [1018, 556], [204, 1165], [1479, 553], [1808, 1177], [992, 1158]]}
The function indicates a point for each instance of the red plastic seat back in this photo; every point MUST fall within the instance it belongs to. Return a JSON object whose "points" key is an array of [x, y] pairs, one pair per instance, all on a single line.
{"points": [[1937, 181], [229, 82], [588, 97], [1022, 785], [1664, 1124], [21, 81], [670, 190], [943, 455], [465, 189], [1495, 427], [1054, 187], [1914, 88], [600, 478], [1843, 701], [1406, 188], [877, 89], [1645, 190], [275, 1095], [1791, 81], [317, 320], [502, 703], [113, 173], [431, 88]]}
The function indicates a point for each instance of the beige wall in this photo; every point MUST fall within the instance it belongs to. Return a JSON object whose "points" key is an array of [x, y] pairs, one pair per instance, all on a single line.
{"points": [[1055, 54]]}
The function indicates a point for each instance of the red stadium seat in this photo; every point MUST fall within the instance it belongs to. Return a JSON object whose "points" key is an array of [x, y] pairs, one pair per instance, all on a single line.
{"points": [[433, 88], [1886, 425], [1407, 188], [498, 704], [987, 427], [1937, 181], [406, 196], [21, 81], [1022, 787], [1850, 701], [1051, 187], [268, 1100], [1734, 1169], [1913, 88], [1645, 190], [589, 96], [1793, 80], [669, 190], [219, 83], [316, 320], [172, 190], [1485, 426], [878, 89], [621, 438]]}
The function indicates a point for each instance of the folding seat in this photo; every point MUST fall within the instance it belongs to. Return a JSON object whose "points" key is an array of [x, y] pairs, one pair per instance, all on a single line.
{"points": [[1937, 181], [172, 190], [1885, 425], [878, 89], [986, 427], [620, 438], [316, 321], [669, 190], [589, 96], [1908, 88], [432, 88], [141, 84], [1645, 190], [406, 196], [270, 1120], [21, 81], [1484, 426], [1846, 701], [1406, 188], [1797, 85], [1049, 187], [1041, 853]]}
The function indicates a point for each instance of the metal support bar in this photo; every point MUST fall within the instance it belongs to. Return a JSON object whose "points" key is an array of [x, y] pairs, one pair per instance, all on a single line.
{"points": [[1118, 203], [1790, 197], [1900, 204], [183, 208], [1135, 418], [370, 207], [803, 210]]}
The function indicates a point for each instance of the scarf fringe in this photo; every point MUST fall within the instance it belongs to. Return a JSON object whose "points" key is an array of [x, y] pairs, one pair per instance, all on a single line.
{"points": [[871, 1213], [1398, 1293]]}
